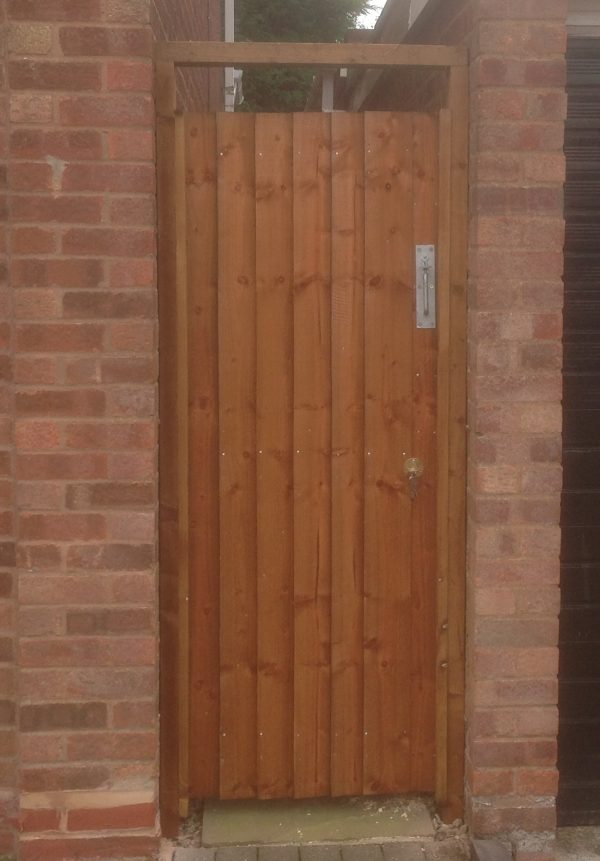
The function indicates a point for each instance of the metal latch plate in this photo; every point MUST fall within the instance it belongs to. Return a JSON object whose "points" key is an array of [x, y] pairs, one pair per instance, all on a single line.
{"points": [[425, 287]]}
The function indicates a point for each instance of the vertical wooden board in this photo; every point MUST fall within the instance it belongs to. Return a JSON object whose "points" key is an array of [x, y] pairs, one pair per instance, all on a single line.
{"points": [[443, 405], [201, 185], [389, 324], [348, 260], [459, 106], [424, 511], [312, 453], [237, 443], [169, 496], [181, 298], [274, 273]]}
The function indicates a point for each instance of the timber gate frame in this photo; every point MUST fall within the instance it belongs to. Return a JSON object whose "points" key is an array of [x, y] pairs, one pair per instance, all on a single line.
{"points": [[452, 347]]}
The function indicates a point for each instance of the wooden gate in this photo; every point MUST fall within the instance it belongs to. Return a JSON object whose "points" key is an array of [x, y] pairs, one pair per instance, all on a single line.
{"points": [[306, 580]]}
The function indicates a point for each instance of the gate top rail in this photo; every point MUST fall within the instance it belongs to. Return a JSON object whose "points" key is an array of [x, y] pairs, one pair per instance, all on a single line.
{"points": [[325, 55]]}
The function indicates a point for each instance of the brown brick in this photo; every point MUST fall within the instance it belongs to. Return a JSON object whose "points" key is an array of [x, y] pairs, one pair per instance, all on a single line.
{"points": [[69, 849], [115, 621], [56, 716], [61, 778], [111, 557], [62, 527], [68, 402], [110, 304], [36, 435], [57, 466], [130, 816], [94, 747], [105, 41], [57, 76], [114, 242], [64, 209], [110, 495], [40, 820], [109, 110], [79, 274], [54, 10], [88, 652], [109, 177]]}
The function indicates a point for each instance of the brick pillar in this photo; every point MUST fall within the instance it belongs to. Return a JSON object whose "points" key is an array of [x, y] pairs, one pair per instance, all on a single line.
{"points": [[516, 263], [8, 735], [83, 281]]}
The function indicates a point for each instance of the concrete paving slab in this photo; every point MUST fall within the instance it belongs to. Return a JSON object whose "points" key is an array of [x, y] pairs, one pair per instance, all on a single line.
{"points": [[237, 853], [403, 851], [320, 853], [315, 821], [279, 853], [185, 854], [368, 852]]}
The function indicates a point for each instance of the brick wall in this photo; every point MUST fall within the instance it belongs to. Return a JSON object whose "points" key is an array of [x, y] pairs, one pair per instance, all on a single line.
{"points": [[8, 737], [198, 89], [515, 323], [82, 240]]}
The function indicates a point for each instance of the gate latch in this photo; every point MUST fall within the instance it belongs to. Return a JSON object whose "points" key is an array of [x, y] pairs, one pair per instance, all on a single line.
{"points": [[426, 280]]}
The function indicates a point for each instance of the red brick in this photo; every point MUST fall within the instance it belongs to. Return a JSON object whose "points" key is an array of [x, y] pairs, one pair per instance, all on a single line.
{"points": [[64, 209], [56, 76], [131, 403], [39, 495], [108, 241], [33, 240], [524, 9], [41, 622], [42, 748], [106, 41], [132, 526], [130, 816], [100, 682], [71, 849], [63, 716], [134, 715], [110, 304], [31, 108], [61, 466], [39, 557], [37, 304], [82, 371], [54, 10], [133, 337], [517, 38], [100, 622], [128, 370], [111, 557], [62, 527], [68, 402], [124, 746], [113, 494], [129, 76], [37, 435], [30, 176], [103, 111], [536, 781], [40, 820], [507, 663], [136, 435], [131, 145], [137, 466], [57, 778], [135, 212], [58, 273], [38, 144], [516, 692], [60, 338], [109, 177], [88, 652]]}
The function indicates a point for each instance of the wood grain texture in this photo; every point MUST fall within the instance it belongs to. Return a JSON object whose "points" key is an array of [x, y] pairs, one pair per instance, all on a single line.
{"points": [[389, 275], [169, 493], [316, 55], [348, 388], [424, 507], [237, 443], [202, 311], [443, 430], [312, 452], [274, 338], [181, 298], [459, 106]]}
